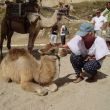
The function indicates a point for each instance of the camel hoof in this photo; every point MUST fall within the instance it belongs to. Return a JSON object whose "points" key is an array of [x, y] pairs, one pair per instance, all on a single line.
{"points": [[52, 87], [42, 92]]}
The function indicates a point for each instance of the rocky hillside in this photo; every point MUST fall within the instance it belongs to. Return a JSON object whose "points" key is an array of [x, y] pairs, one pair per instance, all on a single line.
{"points": [[51, 3], [83, 11]]}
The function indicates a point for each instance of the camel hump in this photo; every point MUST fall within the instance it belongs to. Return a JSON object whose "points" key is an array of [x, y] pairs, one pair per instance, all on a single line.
{"points": [[15, 53]]}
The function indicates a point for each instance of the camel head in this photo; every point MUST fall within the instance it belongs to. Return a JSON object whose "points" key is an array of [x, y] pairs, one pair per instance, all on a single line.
{"points": [[51, 49], [63, 52]]}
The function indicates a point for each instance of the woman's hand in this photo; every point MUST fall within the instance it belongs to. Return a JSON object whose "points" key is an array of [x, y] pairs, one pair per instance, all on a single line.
{"points": [[89, 58]]}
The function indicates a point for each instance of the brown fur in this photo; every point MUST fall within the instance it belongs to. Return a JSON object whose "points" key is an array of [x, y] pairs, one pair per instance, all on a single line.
{"points": [[20, 66]]}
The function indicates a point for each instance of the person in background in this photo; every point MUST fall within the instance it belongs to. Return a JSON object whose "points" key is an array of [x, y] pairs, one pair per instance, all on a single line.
{"points": [[63, 33], [99, 22], [64, 9], [67, 10], [87, 52], [106, 13], [61, 8], [54, 34]]}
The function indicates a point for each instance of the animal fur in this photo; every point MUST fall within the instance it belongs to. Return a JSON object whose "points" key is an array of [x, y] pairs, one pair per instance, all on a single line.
{"points": [[21, 67]]}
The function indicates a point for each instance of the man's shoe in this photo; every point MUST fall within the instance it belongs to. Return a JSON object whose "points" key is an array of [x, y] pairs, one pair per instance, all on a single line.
{"points": [[78, 79]]}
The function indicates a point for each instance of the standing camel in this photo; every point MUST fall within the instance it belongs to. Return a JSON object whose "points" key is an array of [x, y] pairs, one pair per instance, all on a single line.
{"points": [[37, 22]]}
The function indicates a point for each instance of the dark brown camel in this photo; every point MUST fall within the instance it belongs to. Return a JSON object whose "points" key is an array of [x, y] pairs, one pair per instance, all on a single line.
{"points": [[8, 27]]}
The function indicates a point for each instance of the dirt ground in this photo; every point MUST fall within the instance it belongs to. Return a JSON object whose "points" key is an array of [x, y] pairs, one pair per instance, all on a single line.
{"points": [[70, 96]]}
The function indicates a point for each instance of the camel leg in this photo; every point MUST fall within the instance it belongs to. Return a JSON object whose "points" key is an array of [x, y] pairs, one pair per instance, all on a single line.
{"points": [[28, 85], [33, 87], [3, 36], [52, 87], [31, 42], [9, 36], [32, 37], [4, 31]]}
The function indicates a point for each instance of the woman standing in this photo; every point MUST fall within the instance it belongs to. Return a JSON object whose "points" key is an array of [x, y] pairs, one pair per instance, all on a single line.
{"points": [[54, 34], [63, 33]]}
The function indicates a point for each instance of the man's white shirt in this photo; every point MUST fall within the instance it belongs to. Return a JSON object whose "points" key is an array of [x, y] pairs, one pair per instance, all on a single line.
{"points": [[98, 22]]}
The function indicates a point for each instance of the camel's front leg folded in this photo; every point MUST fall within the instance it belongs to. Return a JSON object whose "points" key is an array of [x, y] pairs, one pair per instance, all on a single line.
{"points": [[33, 87], [52, 87]]}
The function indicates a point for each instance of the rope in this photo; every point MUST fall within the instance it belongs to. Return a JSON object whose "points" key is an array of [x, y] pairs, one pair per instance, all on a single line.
{"points": [[59, 64]]}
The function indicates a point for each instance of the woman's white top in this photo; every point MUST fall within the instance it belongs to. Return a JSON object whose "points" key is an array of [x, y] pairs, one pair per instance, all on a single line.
{"points": [[63, 30], [99, 47]]}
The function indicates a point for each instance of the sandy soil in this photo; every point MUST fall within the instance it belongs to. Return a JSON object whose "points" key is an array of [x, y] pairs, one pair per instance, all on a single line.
{"points": [[70, 96]]}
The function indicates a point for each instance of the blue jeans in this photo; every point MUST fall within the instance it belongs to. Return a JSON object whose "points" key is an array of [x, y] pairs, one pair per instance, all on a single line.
{"points": [[78, 64]]}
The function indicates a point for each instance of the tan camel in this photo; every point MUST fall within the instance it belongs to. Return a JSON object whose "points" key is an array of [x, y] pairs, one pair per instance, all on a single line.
{"points": [[37, 23], [33, 75]]}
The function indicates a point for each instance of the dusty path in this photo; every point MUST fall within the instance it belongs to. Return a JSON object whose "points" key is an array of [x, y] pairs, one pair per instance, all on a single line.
{"points": [[70, 96]]}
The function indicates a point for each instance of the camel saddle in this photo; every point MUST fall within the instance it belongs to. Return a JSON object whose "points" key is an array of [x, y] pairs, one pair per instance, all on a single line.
{"points": [[15, 10], [18, 11]]}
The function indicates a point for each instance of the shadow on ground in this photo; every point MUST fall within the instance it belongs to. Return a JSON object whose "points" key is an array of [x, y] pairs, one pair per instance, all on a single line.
{"points": [[63, 80], [99, 76]]}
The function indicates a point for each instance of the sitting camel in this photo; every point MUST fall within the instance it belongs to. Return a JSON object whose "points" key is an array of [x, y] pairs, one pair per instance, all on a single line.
{"points": [[33, 75]]}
